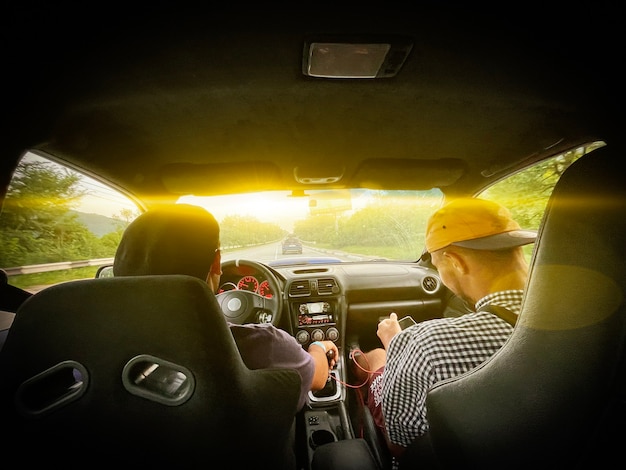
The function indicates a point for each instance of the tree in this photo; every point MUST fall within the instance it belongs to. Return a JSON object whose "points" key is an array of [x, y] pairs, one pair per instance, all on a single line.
{"points": [[238, 231], [526, 193], [35, 226]]}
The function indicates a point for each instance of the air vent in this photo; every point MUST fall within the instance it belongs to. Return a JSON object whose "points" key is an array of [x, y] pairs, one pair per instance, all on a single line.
{"points": [[431, 284], [327, 286], [300, 288]]}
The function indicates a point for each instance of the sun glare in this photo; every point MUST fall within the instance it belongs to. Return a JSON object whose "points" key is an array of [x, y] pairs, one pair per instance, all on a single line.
{"points": [[273, 207]]}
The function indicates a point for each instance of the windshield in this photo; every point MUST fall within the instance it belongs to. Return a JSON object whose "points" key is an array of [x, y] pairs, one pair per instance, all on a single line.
{"points": [[58, 224], [346, 225]]}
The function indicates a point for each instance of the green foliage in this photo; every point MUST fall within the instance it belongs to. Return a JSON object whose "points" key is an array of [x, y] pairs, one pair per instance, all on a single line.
{"points": [[37, 225], [109, 243], [526, 193], [31, 281], [318, 228], [239, 231], [390, 228], [33, 212]]}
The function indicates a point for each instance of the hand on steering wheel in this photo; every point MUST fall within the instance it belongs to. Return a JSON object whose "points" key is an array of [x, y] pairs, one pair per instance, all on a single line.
{"points": [[242, 306]]}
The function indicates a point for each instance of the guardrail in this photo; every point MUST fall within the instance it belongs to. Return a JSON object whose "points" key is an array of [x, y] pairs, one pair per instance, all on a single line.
{"points": [[42, 268]]}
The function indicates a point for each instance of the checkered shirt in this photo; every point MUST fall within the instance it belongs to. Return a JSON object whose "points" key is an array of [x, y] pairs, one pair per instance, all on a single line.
{"points": [[509, 299], [434, 350]]}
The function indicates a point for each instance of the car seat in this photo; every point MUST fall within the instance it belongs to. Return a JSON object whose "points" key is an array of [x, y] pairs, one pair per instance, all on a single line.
{"points": [[139, 371], [554, 394]]}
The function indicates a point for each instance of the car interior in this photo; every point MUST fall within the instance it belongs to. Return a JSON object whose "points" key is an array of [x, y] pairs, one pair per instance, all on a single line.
{"points": [[167, 100]]}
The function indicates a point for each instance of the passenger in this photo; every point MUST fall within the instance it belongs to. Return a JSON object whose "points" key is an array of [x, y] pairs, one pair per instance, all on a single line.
{"points": [[477, 248], [185, 239]]}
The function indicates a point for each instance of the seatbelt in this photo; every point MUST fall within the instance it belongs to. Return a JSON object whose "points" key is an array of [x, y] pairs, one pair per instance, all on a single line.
{"points": [[501, 312]]}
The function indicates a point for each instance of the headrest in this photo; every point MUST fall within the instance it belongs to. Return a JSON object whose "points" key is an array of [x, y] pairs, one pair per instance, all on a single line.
{"points": [[175, 239]]}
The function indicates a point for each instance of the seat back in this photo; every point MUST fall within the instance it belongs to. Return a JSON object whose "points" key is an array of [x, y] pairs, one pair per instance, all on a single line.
{"points": [[11, 297], [554, 394], [139, 370]]}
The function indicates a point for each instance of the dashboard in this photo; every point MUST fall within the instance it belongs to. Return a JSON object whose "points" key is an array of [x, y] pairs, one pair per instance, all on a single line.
{"points": [[342, 301]]}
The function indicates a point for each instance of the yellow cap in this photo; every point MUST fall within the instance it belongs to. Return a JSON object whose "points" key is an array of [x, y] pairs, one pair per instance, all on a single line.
{"points": [[475, 223]]}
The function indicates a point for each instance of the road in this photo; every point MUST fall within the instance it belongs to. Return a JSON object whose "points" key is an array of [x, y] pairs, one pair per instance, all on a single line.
{"points": [[272, 253]]}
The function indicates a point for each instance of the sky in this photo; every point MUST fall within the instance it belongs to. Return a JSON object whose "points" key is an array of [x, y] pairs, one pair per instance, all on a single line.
{"points": [[272, 208]]}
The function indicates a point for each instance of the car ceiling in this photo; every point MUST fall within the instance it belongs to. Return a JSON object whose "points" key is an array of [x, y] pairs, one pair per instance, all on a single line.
{"points": [[170, 100]]}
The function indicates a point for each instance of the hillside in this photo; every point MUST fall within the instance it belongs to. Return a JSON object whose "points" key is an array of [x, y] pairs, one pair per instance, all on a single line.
{"points": [[98, 224]]}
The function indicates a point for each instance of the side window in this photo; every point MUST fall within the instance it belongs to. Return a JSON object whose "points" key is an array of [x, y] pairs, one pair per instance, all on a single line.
{"points": [[527, 192], [57, 224]]}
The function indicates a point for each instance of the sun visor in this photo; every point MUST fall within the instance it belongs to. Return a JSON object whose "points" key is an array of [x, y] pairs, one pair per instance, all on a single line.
{"points": [[223, 178], [383, 173], [387, 173]]}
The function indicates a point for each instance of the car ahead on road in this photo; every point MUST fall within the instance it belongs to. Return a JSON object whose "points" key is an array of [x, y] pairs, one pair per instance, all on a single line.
{"points": [[291, 245], [347, 127]]}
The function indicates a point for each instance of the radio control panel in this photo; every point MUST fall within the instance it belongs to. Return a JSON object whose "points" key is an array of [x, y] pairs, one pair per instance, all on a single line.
{"points": [[316, 321]]}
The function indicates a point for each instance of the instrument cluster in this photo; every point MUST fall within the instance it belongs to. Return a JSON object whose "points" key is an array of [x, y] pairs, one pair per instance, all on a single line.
{"points": [[249, 282]]}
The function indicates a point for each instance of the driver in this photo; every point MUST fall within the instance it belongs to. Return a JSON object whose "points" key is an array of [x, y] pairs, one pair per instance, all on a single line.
{"points": [[185, 239]]}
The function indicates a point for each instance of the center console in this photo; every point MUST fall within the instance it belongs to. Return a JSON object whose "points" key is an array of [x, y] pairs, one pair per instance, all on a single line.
{"points": [[315, 308], [325, 417]]}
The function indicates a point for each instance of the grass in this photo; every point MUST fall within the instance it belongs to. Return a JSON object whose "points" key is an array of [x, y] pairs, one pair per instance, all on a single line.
{"points": [[30, 281]]}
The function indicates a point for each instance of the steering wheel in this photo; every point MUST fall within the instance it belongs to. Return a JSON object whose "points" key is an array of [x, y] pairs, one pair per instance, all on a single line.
{"points": [[242, 306]]}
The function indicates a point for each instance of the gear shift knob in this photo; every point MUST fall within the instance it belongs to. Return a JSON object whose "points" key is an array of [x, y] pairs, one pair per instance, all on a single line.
{"points": [[330, 354]]}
